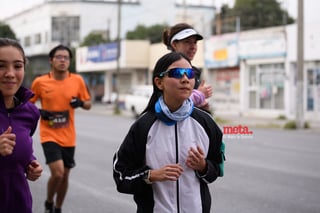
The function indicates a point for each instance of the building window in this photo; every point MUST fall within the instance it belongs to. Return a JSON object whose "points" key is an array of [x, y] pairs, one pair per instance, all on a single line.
{"points": [[266, 86], [252, 76], [65, 29], [313, 89], [27, 41], [37, 38], [46, 37], [252, 99]]}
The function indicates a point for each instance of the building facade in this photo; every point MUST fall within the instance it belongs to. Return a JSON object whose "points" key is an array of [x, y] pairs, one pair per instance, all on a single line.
{"points": [[52, 22], [135, 65], [255, 72], [252, 72]]}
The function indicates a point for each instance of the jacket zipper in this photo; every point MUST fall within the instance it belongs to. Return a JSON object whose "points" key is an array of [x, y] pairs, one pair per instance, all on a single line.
{"points": [[177, 161], [9, 118]]}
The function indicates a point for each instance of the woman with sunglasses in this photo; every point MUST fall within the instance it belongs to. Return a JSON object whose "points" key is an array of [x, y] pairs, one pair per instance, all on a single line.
{"points": [[171, 153], [184, 38]]}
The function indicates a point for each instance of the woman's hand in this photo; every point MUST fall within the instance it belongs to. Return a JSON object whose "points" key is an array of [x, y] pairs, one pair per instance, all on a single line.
{"points": [[196, 160], [34, 170], [205, 89], [169, 172], [7, 142]]}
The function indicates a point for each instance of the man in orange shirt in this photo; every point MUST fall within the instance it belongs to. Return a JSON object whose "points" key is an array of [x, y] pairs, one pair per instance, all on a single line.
{"points": [[60, 92]]}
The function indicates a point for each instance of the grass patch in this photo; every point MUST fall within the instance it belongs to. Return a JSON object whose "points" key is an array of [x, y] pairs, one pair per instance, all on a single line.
{"points": [[282, 117], [269, 125], [290, 125], [293, 125]]}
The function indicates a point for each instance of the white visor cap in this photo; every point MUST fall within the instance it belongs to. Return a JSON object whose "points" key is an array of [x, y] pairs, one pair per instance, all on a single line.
{"points": [[185, 34]]}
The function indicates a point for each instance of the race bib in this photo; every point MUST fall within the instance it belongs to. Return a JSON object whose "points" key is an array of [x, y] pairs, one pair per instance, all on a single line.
{"points": [[58, 119]]}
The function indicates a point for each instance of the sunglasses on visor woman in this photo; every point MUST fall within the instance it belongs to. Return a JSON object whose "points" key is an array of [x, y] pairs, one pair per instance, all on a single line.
{"points": [[178, 73]]}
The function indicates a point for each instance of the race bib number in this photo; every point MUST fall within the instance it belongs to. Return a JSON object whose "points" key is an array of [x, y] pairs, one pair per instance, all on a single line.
{"points": [[59, 119]]}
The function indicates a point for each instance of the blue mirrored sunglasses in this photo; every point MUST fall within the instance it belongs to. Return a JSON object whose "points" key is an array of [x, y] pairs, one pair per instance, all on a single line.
{"points": [[178, 73]]}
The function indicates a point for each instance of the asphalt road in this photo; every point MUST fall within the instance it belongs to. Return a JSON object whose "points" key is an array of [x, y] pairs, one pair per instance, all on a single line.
{"points": [[271, 171]]}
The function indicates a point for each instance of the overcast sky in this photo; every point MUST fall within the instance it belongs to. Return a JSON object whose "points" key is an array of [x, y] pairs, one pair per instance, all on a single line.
{"points": [[312, 7]]}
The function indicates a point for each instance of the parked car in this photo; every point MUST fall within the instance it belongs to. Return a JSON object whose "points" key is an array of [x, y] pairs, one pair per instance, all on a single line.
{"points": [[137, 99]]}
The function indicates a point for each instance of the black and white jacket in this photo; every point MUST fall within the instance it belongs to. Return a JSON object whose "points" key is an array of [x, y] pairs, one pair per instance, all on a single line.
{"points": [[151, 144]]}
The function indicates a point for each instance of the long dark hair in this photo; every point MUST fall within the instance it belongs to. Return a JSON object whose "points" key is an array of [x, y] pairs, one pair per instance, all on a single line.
{"points": [[162, 65]]}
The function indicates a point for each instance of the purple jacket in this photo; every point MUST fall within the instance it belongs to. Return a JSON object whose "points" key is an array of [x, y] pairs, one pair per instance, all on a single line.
{"points": [[198, 98], [15, 194]]}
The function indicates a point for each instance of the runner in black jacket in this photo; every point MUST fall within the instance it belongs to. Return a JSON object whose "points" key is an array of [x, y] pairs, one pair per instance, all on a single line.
{"points": [[172, 151]]}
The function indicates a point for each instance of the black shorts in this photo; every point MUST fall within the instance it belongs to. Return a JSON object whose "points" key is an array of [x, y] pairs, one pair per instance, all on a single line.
{"points": [[53, 152]]}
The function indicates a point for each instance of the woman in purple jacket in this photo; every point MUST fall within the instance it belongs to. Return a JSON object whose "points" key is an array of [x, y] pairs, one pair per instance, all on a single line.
{"points": [[18, 121]]}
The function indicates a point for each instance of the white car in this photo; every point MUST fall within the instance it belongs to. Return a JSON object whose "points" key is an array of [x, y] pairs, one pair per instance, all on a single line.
{"points": [[137, 99]]}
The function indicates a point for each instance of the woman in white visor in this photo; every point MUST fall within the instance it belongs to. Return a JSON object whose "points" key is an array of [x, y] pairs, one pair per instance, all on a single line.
{"points": [[184, 38]]}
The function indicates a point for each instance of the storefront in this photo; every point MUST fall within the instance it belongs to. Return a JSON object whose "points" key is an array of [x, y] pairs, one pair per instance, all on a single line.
{"points": [[265, 86], [248, 72], [263, 74], [313, 90], [311, 70], [221, 60]]}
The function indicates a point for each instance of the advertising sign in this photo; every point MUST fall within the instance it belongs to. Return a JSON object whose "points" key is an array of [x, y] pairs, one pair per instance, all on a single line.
{"points": [[97, 58]]}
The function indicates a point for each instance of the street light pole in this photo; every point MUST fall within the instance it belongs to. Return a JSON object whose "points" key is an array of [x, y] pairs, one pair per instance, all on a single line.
{"points": [[300, 60], [116, 76]]}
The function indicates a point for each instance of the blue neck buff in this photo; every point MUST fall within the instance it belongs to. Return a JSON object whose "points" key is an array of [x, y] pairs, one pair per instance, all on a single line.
{"points": [[170, 118]]}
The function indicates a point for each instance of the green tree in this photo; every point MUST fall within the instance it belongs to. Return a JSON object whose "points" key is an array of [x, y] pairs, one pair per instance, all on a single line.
{"points": [[6, 31], [254, 14], [93, 39], [152, 33]]}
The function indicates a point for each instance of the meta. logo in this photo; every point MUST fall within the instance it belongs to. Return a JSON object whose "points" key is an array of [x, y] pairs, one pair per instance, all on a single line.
{"points": [[239, 131], [234, 130]]}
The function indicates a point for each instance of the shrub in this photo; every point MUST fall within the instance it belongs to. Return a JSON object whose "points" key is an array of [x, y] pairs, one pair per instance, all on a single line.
{"points": [[282, 117], [290, 125], [293, 125]]}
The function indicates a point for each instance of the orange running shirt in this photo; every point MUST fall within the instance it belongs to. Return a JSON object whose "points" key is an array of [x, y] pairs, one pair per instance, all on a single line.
{"points": [[55, 97]]}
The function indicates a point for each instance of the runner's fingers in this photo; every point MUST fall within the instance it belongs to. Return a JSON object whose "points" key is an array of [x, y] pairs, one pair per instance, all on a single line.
{"points": [[7, 149], [194, 157]]}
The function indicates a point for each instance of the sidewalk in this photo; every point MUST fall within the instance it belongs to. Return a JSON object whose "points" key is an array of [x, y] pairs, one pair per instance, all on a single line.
{"points": [[222, 118]]}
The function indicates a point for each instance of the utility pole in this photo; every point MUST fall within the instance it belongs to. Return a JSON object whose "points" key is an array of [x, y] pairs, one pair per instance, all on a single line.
{"points": [[116, 75], [300, 60]]}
